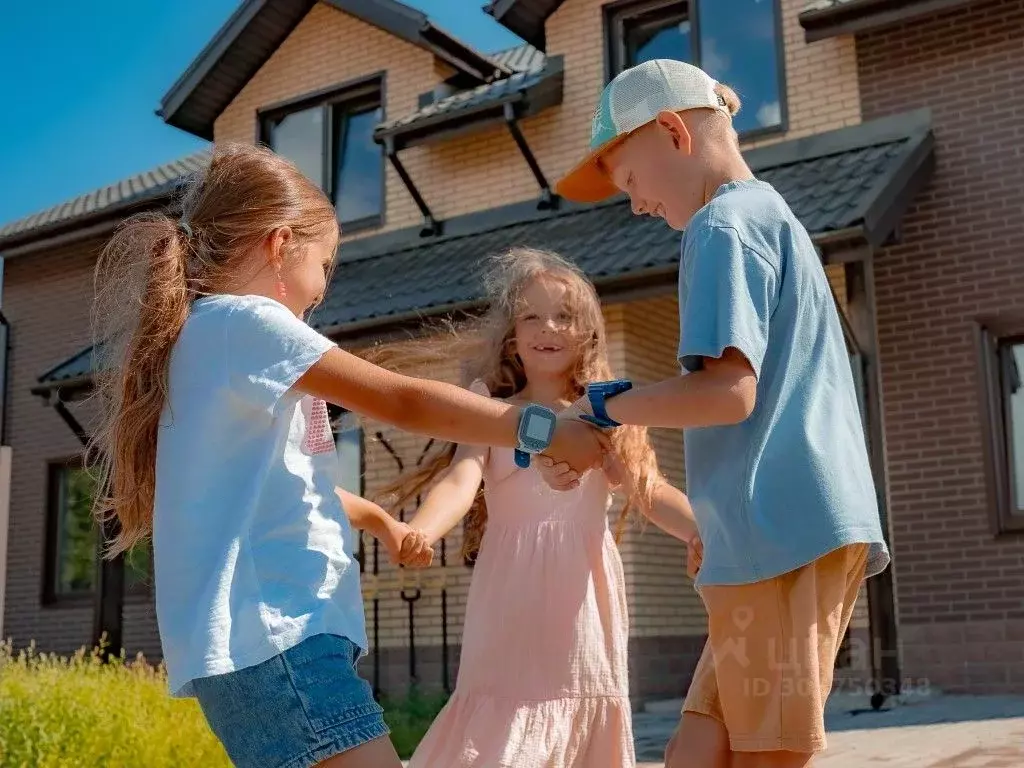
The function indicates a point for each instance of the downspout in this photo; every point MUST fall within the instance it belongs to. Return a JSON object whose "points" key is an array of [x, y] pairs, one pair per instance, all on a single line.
{"points": [[5, 340], [5, 451]]}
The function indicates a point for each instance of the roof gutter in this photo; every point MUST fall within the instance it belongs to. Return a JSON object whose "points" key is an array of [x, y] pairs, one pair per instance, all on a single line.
{"points": [[854, 16], [104, 223], [839, 238]]}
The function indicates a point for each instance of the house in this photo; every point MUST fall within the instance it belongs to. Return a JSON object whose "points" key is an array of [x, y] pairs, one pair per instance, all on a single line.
{"points": [[889, 127]]}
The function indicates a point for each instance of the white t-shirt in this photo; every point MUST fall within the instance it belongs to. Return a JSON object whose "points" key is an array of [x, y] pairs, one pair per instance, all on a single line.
{"points": [[253, 552]]}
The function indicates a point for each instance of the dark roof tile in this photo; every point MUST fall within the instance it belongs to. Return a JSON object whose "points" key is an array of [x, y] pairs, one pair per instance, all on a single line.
{"points": [[540, 84], [522, 58], [136, 190], [856, 181]]}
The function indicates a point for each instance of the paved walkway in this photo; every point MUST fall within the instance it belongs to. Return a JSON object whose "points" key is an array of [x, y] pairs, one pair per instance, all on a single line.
{"points": [[938, 732]]}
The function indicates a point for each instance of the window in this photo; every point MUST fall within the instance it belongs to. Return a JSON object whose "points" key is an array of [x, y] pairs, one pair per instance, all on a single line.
{"points": [[1002, 369], [348, 438], [330, 138], [73, 539], [738, 42]]}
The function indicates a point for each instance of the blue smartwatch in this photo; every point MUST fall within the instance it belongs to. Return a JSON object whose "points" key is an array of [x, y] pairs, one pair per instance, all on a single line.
{"points": [[536, 428], [598, 394]]}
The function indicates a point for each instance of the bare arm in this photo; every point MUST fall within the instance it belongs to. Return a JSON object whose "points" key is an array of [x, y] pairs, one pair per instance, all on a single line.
{"points": [[671, 511], [451, 498], [723, 392], [367, 516], [432, 408]]}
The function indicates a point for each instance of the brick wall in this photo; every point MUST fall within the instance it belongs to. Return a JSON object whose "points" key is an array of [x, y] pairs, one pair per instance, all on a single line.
{"points": [[46, 300], [960, 589], [667, 620], [668, 623], [822, 93], [459, 176]]}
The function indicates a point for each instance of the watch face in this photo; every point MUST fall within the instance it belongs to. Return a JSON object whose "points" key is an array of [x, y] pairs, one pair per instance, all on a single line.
{"points": [[538, 427]]}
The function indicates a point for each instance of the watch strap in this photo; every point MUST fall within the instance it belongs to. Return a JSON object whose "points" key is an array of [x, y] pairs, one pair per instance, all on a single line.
{"points": [[522, 459], [598, 394]]}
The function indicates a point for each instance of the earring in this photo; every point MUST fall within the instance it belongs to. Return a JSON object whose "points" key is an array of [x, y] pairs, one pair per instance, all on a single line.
{"points": [[282, 291]]}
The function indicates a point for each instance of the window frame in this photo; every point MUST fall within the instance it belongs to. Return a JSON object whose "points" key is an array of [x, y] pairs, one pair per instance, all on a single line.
{"points": [[616, 13], [51, 597], [991, 336], [351, 95]]}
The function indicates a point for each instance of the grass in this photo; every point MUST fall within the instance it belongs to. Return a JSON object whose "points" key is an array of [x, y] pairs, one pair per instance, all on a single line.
{"points": [[409, 717], [59, 712]]}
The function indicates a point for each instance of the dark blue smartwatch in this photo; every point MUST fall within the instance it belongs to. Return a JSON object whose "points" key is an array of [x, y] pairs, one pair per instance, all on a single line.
{"points": [[536, 428], [598, 394]]}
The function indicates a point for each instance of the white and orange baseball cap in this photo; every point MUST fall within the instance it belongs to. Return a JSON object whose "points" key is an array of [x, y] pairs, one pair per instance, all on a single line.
{"points": [[630, 101]]}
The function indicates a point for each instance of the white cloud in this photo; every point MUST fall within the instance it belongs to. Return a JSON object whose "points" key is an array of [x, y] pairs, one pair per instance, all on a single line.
{"points": [[711, 61], [769, 114]]}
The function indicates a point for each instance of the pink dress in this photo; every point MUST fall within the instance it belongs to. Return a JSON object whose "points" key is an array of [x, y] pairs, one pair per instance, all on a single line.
{"points": [[543, 677]]}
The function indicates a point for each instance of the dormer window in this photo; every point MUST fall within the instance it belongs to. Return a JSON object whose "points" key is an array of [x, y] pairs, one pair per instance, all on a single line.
{"points": [[329, 136], [736, 41]]}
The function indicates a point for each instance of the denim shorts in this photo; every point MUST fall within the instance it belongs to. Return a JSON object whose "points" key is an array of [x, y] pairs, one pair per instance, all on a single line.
{"points": [[294, 710]]}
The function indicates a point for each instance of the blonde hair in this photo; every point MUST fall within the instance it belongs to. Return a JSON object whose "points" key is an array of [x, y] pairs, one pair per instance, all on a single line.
{"points": [[146, 279], [732, 101], [486, 348]]}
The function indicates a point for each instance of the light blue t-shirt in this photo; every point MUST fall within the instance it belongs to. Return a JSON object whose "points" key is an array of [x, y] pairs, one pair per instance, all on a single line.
{"points": [[252, 549], [792, 482]]}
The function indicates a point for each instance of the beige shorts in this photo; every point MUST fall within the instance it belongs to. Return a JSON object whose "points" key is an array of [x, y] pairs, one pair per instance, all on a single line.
{"points": [[766, 670]]}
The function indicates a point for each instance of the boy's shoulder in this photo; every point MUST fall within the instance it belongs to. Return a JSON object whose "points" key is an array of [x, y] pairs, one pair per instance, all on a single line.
{"points": [[755, 213], [746, 205]]}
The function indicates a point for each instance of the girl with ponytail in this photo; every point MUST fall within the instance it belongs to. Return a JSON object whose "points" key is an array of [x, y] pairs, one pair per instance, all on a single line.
{"points": [[214, 440]]}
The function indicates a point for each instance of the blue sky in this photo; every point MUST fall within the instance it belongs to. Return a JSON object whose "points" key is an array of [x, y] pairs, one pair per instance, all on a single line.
{"points": [[82, 82]]}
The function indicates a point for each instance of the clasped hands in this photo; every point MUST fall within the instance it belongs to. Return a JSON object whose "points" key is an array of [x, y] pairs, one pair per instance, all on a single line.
{"points": [[576, 448]]}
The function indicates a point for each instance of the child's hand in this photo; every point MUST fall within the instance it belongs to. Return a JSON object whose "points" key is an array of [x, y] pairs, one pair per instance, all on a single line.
{"points": [[578, 410], [580, 446], [406, 546], [415, 551], [557, 474], [694, 555]]}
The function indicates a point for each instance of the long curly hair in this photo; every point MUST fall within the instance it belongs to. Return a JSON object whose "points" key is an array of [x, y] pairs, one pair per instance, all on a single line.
{"points": [[485, 348], [146, 279]]}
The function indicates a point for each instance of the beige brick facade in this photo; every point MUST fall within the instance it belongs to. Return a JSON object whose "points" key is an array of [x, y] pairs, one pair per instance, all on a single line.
{"points": [[486, 170], [481, 171]]}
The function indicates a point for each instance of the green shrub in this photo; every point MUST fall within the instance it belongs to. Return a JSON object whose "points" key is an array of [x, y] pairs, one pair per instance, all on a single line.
{"points": [[57, 712], [60, 712]]}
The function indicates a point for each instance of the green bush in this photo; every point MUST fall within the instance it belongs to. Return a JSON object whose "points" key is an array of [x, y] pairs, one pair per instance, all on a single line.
{"points": [[60, 712], [57, 712]]}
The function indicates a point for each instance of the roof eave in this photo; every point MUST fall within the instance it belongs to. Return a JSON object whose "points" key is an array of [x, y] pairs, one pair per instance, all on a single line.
{"points": [[76, 230], [514, 16], [529, 101], [865, 15], [175, 99], [179, 108], [899, 192], [461, 57]]}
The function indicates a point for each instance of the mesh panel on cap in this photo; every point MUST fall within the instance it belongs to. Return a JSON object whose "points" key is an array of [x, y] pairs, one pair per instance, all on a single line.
{"points": [[651, 87]]}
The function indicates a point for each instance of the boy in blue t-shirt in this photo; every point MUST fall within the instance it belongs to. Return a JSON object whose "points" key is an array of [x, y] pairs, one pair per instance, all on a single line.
{"points": [[776, 461]]}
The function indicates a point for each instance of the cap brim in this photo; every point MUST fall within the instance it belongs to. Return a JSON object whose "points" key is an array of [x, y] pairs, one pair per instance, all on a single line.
{"points": [[588, 182]]}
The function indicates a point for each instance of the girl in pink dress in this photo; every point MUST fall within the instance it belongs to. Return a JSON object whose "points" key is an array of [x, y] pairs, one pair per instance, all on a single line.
{"points": [[542, 681]]}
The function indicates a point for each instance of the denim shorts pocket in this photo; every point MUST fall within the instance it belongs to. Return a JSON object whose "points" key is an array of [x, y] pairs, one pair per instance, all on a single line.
{"points": [[323, 673]]}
